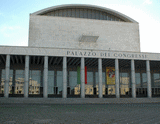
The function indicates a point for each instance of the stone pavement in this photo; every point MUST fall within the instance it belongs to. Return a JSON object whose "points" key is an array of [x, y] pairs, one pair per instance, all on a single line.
{"points": [[78, 100], [135, 113]]}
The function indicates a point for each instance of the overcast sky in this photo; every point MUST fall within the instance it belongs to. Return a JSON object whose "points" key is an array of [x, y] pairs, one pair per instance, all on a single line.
{"points": [[14, 18]]}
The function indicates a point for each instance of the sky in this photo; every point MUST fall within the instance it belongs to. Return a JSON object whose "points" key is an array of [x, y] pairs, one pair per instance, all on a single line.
{"points": [[14, 18]]}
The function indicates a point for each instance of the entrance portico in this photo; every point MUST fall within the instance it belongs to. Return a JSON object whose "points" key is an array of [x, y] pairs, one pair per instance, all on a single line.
{"points": [[58, 77]]}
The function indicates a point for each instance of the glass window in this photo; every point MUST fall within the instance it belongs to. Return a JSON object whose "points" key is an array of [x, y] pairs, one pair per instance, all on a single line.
{"points": [[93, 14], [156, 80], [59, 81], [89, 14], [101, 16], [19, 82], [90, 78], [69, 13], [2, 81], [97, 78], [72, 78], [124, 83], [138, 79], [10, 81], [35, 84], [81, 13], [73, 12], [103, 81], [124, 79], [103, 78], [97, 81], [50, 82], [105, 16], [144, 79], [3, 76], [85, 13], [64, 13], [89, 85], [75, 87], [60, 13], [77, 13], [97, 15], [109, 17]]}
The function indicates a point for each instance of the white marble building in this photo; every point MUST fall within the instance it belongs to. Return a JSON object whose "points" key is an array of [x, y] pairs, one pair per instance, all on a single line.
{"points": [[79, 51]]}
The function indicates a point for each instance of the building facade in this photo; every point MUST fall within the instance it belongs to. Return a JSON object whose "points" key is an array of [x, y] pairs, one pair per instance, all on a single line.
{"points": [[80, 51]]}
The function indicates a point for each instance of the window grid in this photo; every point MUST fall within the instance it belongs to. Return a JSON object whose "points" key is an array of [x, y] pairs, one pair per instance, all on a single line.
{"points": [[83, 13]]}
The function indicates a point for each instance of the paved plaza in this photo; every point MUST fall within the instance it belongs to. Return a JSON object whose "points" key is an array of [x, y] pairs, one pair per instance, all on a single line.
{"points": [[146, 113]]}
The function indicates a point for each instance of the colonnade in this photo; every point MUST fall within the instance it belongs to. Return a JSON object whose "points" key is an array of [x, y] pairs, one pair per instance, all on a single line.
{"points": [[64, 93]]}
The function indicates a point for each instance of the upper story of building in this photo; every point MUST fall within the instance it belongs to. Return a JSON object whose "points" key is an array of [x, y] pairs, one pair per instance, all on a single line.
{"points": [[85, 27]]}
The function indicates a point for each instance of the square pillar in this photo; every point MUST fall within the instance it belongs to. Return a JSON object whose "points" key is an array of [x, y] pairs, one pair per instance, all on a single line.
{"points": [[26, 78], [117, 77], [45, 78], [148, 79], [64, 92], [82, 78], [100, 77], [6, 86], [133, 79]]}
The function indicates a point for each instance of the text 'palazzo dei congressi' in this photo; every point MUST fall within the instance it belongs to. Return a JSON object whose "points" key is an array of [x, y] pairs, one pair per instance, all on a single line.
{"points": [[80, 51]]}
